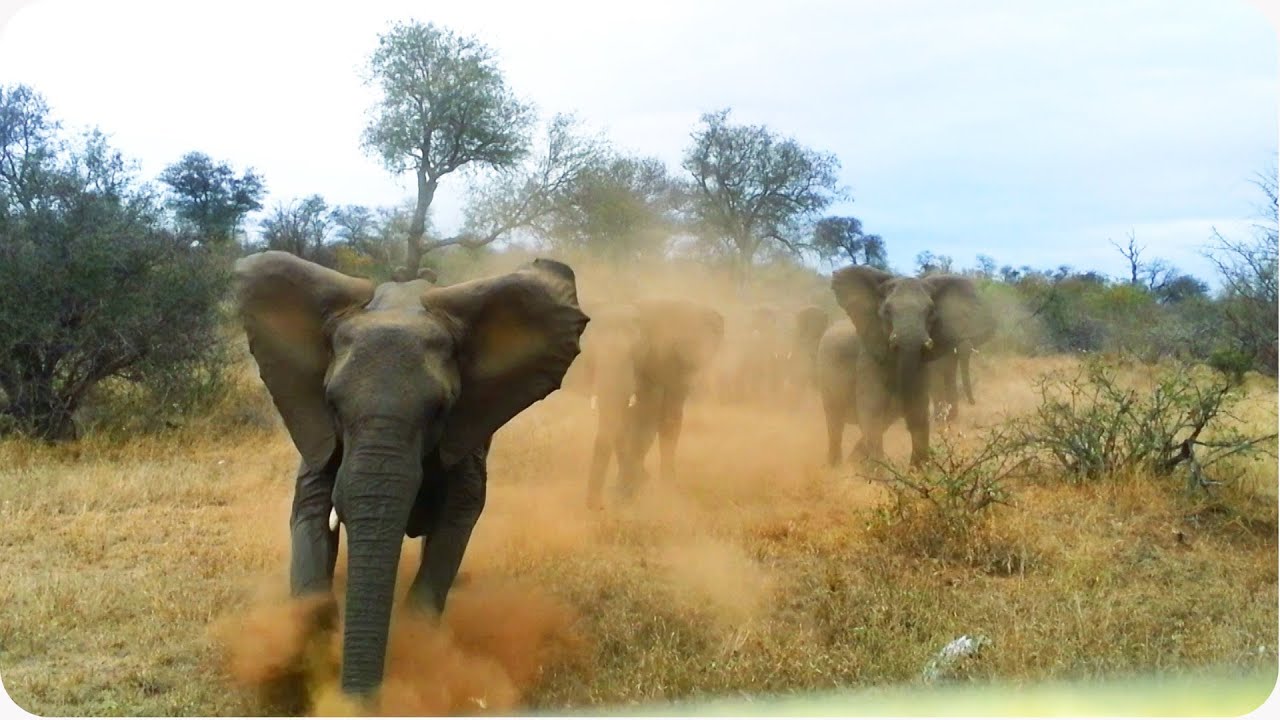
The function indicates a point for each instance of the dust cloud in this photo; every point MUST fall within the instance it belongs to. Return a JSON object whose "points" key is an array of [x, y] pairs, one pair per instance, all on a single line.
{"points": [[491, 646], [530, 600]]}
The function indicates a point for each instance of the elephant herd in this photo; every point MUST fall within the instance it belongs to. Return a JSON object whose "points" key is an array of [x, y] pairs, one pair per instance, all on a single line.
{"points": [[392, 392], [907, 342]]}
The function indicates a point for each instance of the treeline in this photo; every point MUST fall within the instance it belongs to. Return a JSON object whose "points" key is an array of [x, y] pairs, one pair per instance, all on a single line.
{"points": [[108, 279], [1156, 312]]}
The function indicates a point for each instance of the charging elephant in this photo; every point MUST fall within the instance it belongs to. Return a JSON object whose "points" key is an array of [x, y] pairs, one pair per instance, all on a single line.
{"points": [[903, 324], [754, 363], [391, 394], [807, 328], [643, 359]]}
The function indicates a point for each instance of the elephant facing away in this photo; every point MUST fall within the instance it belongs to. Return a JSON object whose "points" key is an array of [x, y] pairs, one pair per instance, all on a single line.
{"points": [[391, 394], [903, 324], [643, 359]]}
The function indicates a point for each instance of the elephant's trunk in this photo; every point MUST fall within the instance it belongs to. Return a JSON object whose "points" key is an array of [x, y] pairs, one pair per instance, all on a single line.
{"points": [[374, 496], [913, 382], [913, 385]]}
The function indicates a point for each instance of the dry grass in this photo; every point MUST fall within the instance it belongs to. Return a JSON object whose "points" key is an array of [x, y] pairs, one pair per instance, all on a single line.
{"points": [[124, 565]]}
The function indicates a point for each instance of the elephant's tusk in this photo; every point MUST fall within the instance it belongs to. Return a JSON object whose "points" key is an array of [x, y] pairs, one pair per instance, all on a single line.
{"points": [[631, 402], [928, 343], [333, 519], [593, 402]]}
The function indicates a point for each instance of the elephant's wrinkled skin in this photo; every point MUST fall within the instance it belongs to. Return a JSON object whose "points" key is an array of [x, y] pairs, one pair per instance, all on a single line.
{"points": [[391, 395], [903, 324], [642, 359]]}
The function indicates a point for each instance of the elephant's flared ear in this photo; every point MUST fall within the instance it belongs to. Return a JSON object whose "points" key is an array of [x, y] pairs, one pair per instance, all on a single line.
{"points": [[810, 323], [859, 289], [287, 305], [960, 314], [517, 335]]}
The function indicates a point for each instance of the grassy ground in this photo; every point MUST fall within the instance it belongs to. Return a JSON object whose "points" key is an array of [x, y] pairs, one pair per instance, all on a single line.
{"points": [[144, 577]]}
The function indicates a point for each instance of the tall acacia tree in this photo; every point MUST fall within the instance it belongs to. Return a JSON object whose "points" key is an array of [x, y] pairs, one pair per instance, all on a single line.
{"points": [[840, 239], [208, 196], [445, 106], [752, 186]]}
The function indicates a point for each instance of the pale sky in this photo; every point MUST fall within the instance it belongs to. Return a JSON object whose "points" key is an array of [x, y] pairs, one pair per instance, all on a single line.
{"points": [[1029, 131]]}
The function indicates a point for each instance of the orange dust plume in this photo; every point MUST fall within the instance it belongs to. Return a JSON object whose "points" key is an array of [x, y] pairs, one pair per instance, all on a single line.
{"points": [[496, 641]]}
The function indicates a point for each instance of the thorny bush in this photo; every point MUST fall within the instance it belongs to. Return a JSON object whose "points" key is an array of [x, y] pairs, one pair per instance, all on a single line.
{"points": [[1092, 424], [941, 509]]}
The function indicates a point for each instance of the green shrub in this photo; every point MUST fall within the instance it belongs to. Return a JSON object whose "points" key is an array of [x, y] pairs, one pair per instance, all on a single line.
{"points": [[1091, 424], [941, 509], [94, 286]]}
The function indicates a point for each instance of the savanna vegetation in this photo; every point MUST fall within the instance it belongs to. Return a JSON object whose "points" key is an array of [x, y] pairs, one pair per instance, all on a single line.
{"points": [[1108, 507]]}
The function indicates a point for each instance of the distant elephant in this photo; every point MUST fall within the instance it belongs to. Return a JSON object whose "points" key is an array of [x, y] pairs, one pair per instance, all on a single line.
{"points": [[755, 362], [391, 394], [807, 328], [642, 360], [903, 324]]}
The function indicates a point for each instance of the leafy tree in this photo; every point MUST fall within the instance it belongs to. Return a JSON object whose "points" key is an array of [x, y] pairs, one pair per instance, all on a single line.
{"points": [[1247, 268], [840, 239], [929, 264], [29, 142], [530, 196], [620, 209], [92, 284], [354, 225], [300, 227], [1180, 287], [986, 266], [752, 186], [370, 242], [445, 106], [209, 197]]}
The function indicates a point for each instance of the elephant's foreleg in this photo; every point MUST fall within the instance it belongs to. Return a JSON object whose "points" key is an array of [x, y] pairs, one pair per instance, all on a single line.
{"points": [[837, 412], [965, 355], [640, 434], [948, 393], [874, 408], [605, 444], [444, 546], [917, 417], [669, 422], [871, 444], [313, 550]]}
